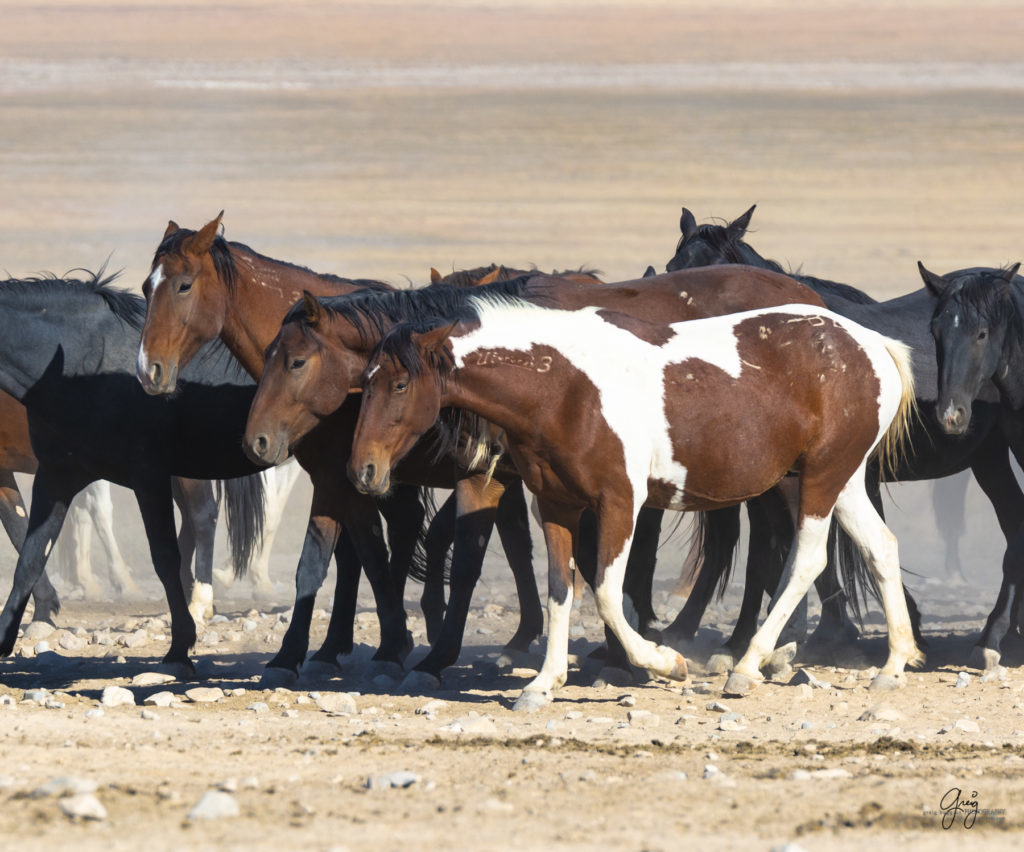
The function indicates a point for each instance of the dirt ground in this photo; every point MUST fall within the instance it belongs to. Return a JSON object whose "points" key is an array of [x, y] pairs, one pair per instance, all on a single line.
{"points": [[376, 139]]}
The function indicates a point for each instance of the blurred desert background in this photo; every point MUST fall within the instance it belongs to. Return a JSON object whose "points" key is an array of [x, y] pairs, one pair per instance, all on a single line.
{"points": [[380, 139], [377, 139]]}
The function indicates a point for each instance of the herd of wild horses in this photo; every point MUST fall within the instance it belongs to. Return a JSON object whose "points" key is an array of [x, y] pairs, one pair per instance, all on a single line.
{"points": [[723, 383]]}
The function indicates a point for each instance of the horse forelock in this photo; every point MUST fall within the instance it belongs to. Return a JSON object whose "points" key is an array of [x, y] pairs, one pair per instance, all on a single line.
{"points": [[983, 294], [220, 253]]}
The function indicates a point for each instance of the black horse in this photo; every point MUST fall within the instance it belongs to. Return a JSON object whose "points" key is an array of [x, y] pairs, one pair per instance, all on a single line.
{"points": [[934, 454], [68, 353], [978, 326]]}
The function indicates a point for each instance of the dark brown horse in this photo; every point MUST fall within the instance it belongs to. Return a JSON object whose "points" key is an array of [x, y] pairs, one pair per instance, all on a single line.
{"points": [[202, 287], [605, 411]]}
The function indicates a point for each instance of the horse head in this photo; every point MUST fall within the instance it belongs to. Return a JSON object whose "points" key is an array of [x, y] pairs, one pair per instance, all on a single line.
{"points": [[708, 245], [977, 326], [185, 304]]}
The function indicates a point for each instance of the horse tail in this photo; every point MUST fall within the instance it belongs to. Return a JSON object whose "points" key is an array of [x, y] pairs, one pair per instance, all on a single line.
{"points": [[716, 537], [895, 445], [245, 505], [419, 561]]}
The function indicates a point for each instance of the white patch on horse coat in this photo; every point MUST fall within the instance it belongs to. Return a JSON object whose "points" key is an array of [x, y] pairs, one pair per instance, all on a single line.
{"points": [[19, 511], [156, 277], [49, 544], [373, 370]]}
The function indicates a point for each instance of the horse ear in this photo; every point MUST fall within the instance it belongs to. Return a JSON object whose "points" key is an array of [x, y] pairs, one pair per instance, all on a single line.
{"points": [[172, 226], [433, 340], [687, 224], [203, 239], [935, 283], [435, 276], [490, 277], [650, 272], [312, 309], [738, 227], [1009, 274]]}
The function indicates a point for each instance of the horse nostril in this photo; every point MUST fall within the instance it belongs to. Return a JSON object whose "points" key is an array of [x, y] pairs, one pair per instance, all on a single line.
{"points": [[155, 373], [260, 444], [368, 473]]}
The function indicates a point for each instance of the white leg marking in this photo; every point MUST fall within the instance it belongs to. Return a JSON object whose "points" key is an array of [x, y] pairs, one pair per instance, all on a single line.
{"points": [[806, 562]]}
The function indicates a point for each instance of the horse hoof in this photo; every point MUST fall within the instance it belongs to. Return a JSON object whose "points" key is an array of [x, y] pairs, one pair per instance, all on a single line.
{"points": [[613, 676], [314, 669], [679, 670], [179, 671], [387, 668], [719, 662], [984, 658], [739, 685], [780, 659], [886, 683], [417, 682], [273, 677], [530, 702]]}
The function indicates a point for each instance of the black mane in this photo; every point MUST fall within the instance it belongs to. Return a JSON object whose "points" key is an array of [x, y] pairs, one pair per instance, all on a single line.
{"points": [[227, 271], [375, 311], [981, 293], [125, 305]]}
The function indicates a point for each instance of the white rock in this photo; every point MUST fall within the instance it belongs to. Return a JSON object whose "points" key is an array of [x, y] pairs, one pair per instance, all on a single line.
{"points": [[204, 694], [37, 630], [215, 804], [41, 647], [431, 707], [83, 806], [64, 785], [152, 679], [880, 713], [258, 707], [476, 725], [37, 695], [963, 680], [70, 642], [336, 703], [115, 696], [399, 779], [160, 699]]}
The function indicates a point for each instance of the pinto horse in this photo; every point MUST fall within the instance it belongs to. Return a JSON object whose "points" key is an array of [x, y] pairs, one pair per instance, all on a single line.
{"points": [[605, 411], [323, 346], [202, 287], [978, 326], [68, 355], [932, 453]]}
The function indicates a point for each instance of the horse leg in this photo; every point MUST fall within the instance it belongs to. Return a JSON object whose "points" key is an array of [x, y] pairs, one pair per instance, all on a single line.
{"points": [[322, 533], [157, 508], [101, 509], [558, 524], [440, 535], [339, 639], [949, 498], [14, 517], [477, 500], [52, 493], [75, 546], [199, 512], [513, 524], [717, 538], [861, 520], [616, 526], [404, 511]]}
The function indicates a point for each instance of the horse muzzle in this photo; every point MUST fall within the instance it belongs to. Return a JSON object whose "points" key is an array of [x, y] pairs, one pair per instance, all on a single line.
{"points": [[155, 377], [262, 449], [370, 478], [954, 419]]}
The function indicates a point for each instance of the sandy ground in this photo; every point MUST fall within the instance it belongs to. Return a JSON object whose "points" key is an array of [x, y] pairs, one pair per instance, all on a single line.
{"points": [[379, 139]]}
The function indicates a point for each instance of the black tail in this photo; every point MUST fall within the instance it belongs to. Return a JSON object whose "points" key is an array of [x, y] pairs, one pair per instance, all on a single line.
{"points": [[408, 557], [244, 504]]}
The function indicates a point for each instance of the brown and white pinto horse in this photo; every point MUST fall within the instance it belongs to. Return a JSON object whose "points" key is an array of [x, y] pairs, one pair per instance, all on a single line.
{"points": [[605, 411]]}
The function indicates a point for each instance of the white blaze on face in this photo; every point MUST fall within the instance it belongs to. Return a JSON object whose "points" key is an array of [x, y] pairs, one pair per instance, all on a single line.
{"points": [[156, 278], [373, 372]]}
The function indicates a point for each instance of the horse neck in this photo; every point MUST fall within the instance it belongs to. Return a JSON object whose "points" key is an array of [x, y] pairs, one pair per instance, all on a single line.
{"points": [[265, 289], [78, 336]]}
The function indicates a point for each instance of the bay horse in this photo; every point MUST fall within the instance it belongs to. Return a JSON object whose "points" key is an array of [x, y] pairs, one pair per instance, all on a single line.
{"points": [[323, 346], [68, 355], [202, 287], [605, 411], [932, 453], [978, 327]]}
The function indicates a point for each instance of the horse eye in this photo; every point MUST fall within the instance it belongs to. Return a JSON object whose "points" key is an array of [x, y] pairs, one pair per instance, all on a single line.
{"points": [[401, 386], [982, 334], [184, 286], [297, 364]]}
